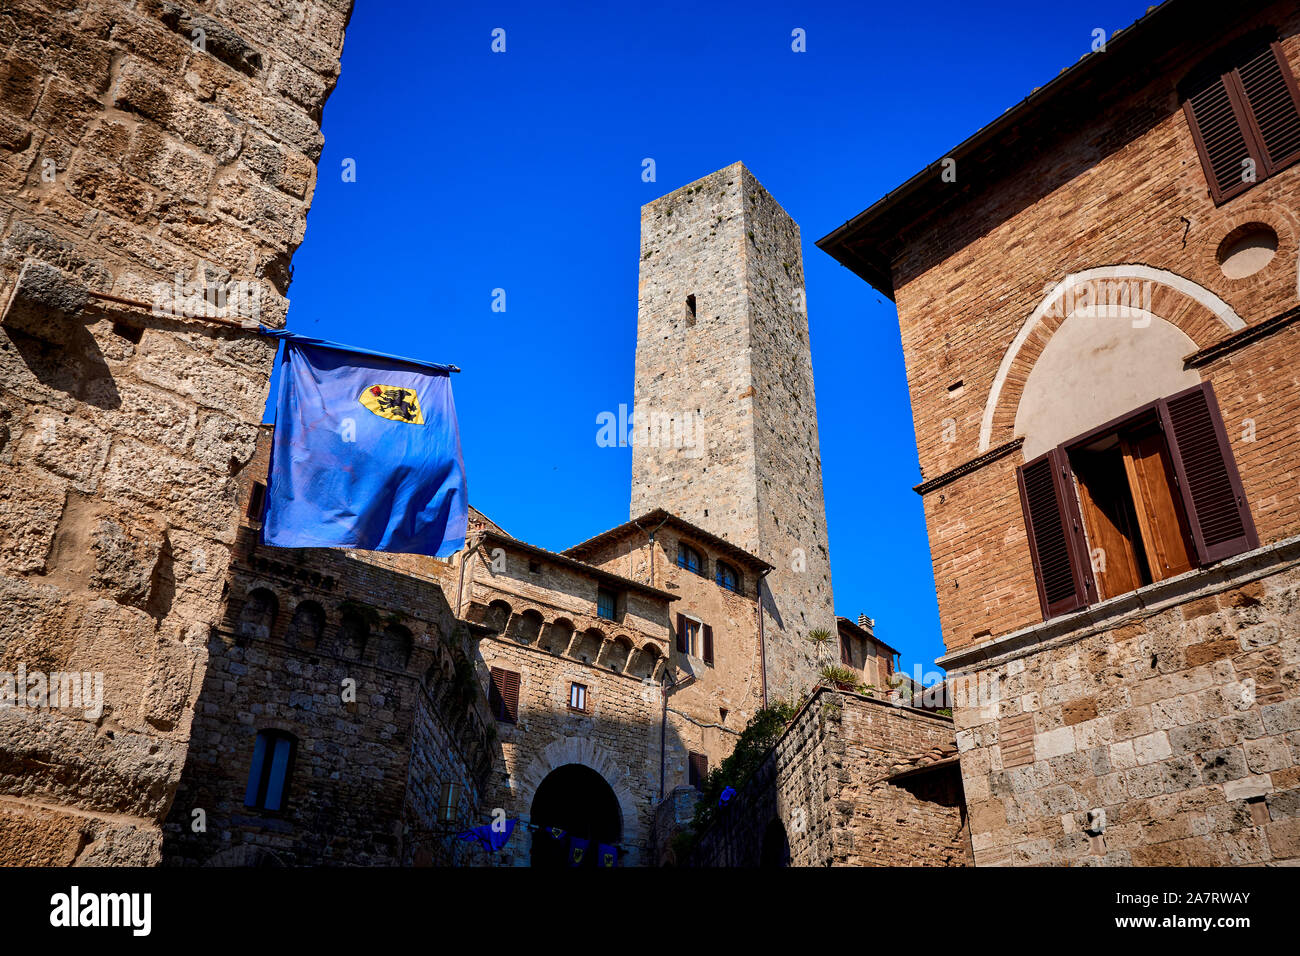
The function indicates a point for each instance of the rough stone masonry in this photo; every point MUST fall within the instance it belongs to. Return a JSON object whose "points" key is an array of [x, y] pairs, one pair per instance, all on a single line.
{"points": [[144, 147], [725, 402]]}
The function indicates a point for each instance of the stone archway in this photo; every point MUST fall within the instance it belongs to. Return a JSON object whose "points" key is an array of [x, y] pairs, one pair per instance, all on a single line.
{"points": [[580, 803], [582, 750]]}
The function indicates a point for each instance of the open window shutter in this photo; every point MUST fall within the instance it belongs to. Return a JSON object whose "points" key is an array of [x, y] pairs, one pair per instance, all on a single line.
{"points": [[708, 644], [698, 766], [1271, 95], [1207, 475], [1219, 127], [510, 695], [681, 634], [496, 695], [1062, 569]]}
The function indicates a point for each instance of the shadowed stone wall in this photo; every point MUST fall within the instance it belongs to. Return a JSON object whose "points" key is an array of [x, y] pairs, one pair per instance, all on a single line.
{"points": [[142, 146]]}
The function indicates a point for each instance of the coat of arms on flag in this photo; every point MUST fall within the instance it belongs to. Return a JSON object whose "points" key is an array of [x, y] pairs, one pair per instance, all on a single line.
{"points": [[393, 403]]}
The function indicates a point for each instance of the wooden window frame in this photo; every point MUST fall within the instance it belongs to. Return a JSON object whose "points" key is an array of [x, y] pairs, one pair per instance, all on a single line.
{"points": [[697, 769], [580, 692], [1204, 552], [721, 569], [503, 695], [613, 603], [683, 550], [260, 771]]}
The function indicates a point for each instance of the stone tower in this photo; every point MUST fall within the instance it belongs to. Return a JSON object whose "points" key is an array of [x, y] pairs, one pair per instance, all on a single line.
{"points": [[724, 406]]}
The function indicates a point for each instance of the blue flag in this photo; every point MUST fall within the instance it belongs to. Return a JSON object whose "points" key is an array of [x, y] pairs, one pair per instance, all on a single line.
{"points": [[366, 453], [488, 837], [608, 855]]}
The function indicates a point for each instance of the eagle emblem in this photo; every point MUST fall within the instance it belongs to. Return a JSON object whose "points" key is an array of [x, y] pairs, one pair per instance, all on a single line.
{"points": [[394, 403]]}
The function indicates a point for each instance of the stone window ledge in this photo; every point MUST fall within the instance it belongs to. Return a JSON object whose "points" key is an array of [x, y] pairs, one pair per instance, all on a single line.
{"points": [[1144, 602]]}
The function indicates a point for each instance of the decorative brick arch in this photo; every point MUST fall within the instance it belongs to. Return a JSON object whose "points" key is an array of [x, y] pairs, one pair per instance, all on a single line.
{"points": [[1197, 311], [589, 754]]}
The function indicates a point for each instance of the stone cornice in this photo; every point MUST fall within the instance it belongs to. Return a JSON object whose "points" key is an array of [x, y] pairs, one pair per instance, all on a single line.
{"points": [[1134, 606], [993, 454]]}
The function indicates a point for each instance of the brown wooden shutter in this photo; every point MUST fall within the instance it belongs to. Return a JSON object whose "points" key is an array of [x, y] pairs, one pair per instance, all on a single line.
{"points": [[1270, 93], [1207, 474], [846, 651], [503, 695], [511, 695], [681, 634], [698, 769], [1219, 125], [1062, 568], [708, 644]]}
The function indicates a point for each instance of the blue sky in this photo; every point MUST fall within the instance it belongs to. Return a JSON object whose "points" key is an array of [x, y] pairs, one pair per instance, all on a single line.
{"points": [[522, 171]]}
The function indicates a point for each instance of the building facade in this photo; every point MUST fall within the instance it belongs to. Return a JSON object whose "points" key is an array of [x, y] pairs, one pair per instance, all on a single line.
{"points": [[1097, 297], [156, 166]]}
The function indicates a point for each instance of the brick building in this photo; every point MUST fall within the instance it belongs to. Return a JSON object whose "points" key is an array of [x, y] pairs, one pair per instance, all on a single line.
{"points": [[1097, 295], [146, 148]]}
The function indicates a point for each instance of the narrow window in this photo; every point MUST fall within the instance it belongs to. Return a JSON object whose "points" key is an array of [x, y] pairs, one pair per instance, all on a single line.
{"points": [[689, 558], [256, 501], [449, 802], [689, 634], [1244, 115], [846, 650], [578, 697], [268, 777], [1139, 500], [728, 577], [606, 603], [690, 310], [534, 567], [503, 695], [697, 769]]}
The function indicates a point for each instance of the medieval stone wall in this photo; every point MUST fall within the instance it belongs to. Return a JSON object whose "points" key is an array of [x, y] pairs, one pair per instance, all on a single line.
{"points": [[373, 676], [723, 356], [1166, 735], [826, 790], [142, 146]]}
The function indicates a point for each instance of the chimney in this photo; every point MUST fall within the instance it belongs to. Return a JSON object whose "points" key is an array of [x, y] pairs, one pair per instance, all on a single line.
{"points": [[866, 623]]}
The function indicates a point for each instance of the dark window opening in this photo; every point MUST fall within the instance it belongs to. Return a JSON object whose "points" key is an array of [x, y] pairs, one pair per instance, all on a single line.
{"points": [[449, 802], [268, 777], [697, 769], [606, 604], [728, 577], [690, 310], [689, 558], [534, 567], [846, 650], [256, 501]]}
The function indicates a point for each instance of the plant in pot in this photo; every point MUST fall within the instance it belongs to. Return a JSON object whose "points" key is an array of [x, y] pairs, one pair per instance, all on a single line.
{"points": [[844, 678]]}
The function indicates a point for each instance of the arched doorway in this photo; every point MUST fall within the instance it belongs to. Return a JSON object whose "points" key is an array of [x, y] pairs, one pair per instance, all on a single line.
{"points": [[776, 848], [577, 800]]}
